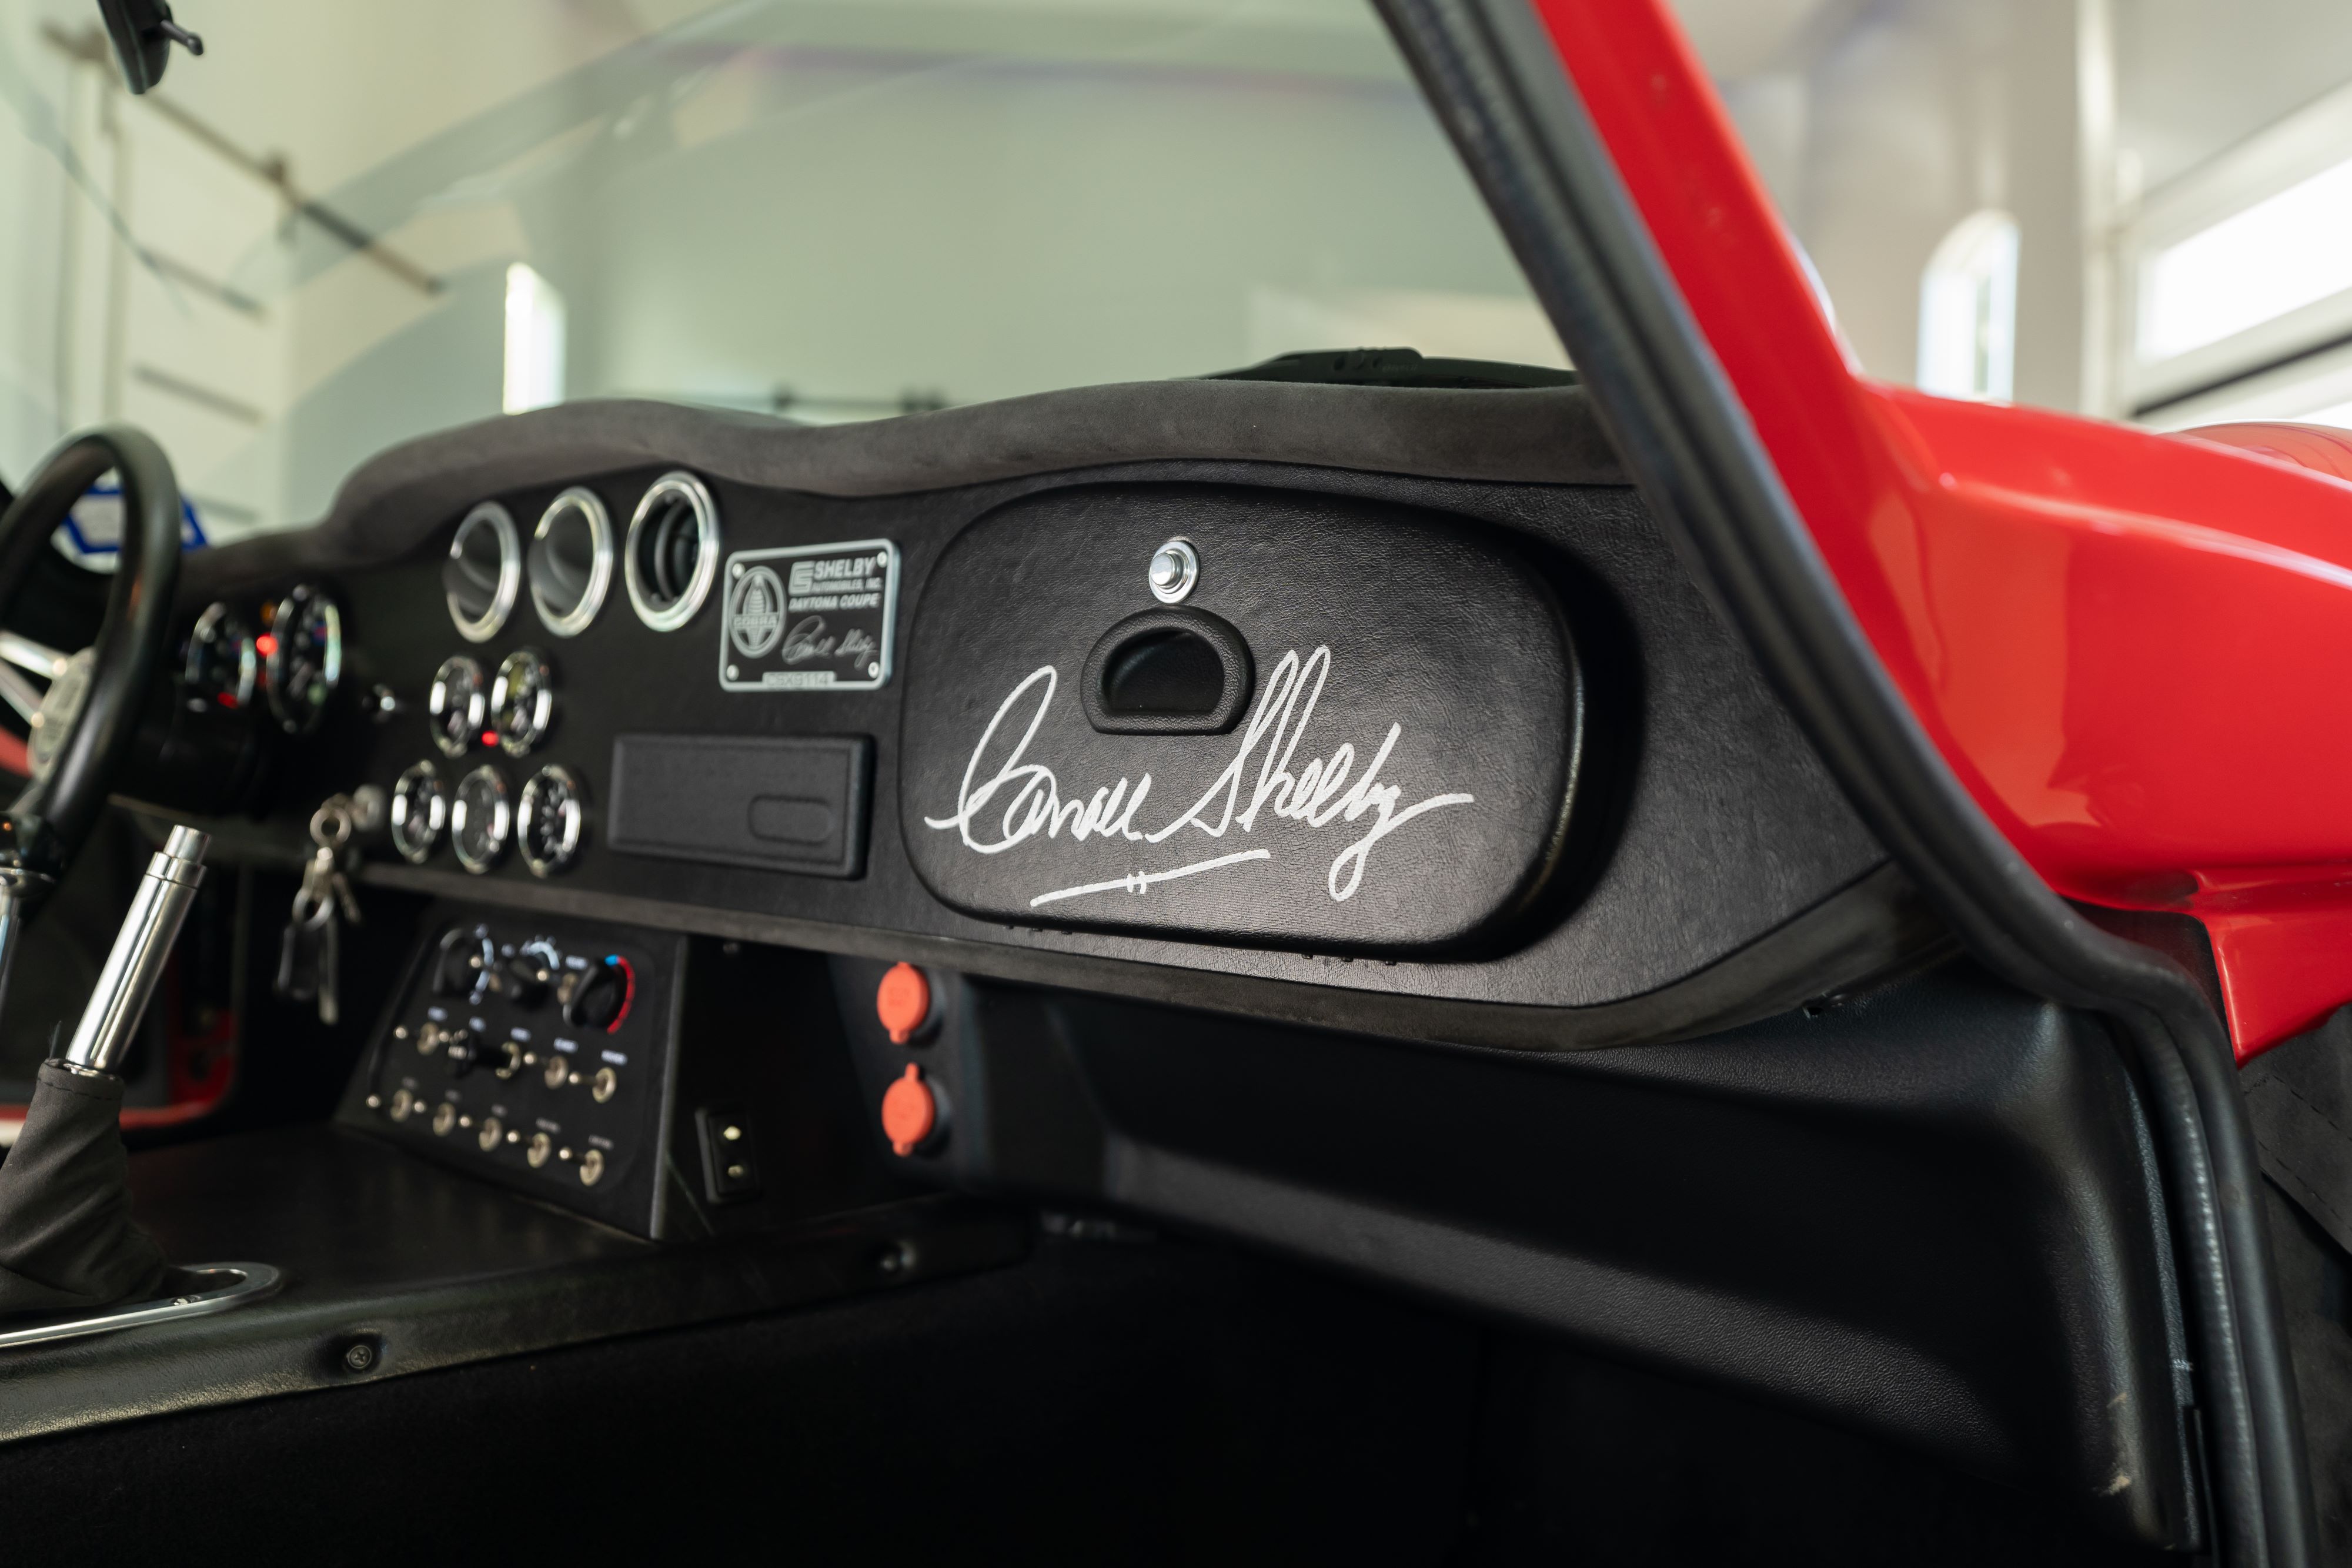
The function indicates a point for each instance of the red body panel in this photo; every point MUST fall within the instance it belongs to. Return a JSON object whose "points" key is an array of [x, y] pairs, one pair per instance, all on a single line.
{"points": [[2134, 650]]}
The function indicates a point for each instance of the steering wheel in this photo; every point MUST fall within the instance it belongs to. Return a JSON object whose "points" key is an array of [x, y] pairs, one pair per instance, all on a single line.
{"points": [[83, 725]]}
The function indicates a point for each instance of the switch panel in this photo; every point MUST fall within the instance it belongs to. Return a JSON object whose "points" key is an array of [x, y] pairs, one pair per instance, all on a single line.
{"points": [[537, 1053]]}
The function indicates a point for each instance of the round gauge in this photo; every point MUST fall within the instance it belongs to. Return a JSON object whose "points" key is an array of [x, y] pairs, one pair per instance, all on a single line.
{"points": [[553, 820], [457, 705], [522, 700], [480, 818], [420, 810], [224, 661], [303, 651]]}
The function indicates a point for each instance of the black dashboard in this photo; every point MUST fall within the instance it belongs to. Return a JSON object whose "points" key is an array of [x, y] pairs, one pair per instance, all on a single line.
{"points": [[1243, 806], [1310, 701]]}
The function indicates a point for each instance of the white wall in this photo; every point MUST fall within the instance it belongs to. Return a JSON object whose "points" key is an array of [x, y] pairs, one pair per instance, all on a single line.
{"points": [[1879, 129]]}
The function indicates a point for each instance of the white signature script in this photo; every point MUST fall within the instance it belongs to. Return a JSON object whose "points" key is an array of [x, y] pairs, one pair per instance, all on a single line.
{"points": [[807, 640], [1019, 800]]}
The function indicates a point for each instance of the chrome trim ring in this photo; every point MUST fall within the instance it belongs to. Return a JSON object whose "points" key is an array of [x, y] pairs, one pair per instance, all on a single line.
{"points": [[501, 522], [501, 823], [331, 662], [679, 486], [249, 652], [417, 790], [573, 823], [588, 504], [522, 722], [438, 701]]}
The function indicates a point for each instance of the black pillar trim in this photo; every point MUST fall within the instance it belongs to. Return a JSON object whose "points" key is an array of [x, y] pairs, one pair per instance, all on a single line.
{"points": [[1491, 74]]}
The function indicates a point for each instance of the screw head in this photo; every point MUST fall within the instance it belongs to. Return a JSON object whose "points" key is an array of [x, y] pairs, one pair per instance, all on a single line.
{"points": [[358, 1356], [1175, 568]]}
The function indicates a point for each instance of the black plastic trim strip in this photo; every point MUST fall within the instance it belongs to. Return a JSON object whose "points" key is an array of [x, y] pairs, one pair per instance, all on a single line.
{"points": [[1494, 78]]}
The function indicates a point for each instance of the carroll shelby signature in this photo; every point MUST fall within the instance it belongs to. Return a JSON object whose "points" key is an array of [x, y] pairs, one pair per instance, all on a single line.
{"points": [[1022, 800], [807, 640]]}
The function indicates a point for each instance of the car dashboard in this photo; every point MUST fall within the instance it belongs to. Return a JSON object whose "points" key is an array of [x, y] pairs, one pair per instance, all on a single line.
{"points": [[1488, 756], [1325, 817]]}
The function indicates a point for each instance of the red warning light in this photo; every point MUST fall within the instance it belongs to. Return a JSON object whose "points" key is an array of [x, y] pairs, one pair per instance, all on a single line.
{"points": [[267, 643], [489, 738]]}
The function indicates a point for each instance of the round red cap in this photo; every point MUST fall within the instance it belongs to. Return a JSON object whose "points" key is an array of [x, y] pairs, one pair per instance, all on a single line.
{"points": [[903, 1002], [909, 1112]]}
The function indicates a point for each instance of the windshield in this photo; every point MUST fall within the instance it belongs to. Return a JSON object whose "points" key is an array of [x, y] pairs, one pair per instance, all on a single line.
{"points": [[346, 224]]}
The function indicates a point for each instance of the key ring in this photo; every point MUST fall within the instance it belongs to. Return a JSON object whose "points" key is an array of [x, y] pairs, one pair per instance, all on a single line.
{"points": [[331, 824]]}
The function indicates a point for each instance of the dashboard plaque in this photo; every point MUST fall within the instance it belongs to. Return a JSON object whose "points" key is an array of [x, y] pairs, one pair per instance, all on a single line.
{"points": [[814, 618]]}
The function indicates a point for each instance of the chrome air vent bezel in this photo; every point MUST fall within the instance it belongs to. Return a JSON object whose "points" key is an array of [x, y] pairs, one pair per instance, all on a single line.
{"points": [[570, 621], [683, 487], [500, 522]]}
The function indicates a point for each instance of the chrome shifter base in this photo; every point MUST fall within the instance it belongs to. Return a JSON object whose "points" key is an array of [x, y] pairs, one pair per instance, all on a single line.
{"points": [[204, 1288]]}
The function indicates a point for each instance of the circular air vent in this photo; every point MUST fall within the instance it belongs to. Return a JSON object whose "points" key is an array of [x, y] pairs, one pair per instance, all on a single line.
{"points": [[483, 572], [572, 561], [672, 554]]}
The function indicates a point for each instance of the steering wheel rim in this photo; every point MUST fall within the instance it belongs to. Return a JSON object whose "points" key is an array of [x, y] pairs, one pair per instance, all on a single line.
{"points": [[54, 812]]}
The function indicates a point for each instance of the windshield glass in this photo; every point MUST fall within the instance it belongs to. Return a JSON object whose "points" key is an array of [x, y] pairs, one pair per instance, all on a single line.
{"points": [[347, 224]]}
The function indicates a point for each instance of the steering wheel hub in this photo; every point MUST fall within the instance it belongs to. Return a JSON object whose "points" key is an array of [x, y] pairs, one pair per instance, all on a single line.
{"points": [[59, 707]]}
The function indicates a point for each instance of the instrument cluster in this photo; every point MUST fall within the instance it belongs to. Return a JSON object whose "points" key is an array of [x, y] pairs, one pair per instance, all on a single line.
{"points": [[289, 654], [668, 560], [510, 712]]}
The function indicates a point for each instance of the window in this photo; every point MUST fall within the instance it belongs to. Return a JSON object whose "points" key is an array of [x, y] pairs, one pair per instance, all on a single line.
{"points": [[2132, 209], [535, 324], [1967, 310]]}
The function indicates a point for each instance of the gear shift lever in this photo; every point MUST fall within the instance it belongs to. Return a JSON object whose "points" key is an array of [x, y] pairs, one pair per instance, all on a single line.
{"points": [[127, 981], [65, 1236]]}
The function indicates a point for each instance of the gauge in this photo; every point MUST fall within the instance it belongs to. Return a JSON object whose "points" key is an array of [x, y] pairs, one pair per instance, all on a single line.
{"points": [[303, 651], [457, 705], [522, 700], [224, 661], [553, 820], [420, 810], [480, 818]]}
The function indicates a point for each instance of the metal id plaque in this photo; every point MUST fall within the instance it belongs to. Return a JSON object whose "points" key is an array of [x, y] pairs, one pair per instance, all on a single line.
{"points": [[817, 618]]}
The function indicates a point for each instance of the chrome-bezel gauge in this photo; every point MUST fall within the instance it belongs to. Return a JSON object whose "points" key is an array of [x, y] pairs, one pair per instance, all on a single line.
{"points": [[420, 811], [553, 820], [481, 819], [224, 662], [305, 660], [457, 705], [523, 701]]}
